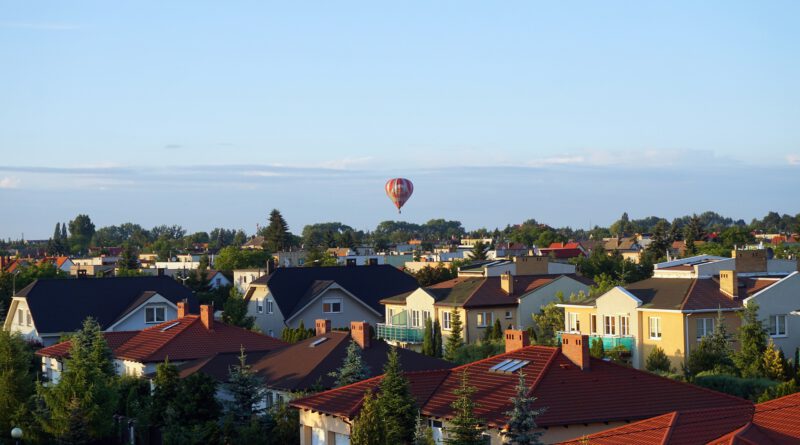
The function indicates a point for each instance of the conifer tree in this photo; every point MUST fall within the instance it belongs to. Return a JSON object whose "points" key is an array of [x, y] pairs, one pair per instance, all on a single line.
{"points": [[774, 364], [437, 339], [234, 311], [657, 361], [427, 338], [466, 428], [478, 252], [423, 433], [276, 235], [16, 381], [246, 391], [165, 389], [497, 330], [454, 341], [522, 428], [752, 343], [597, 349], [368, 426], [397, 406], [353, 369]]}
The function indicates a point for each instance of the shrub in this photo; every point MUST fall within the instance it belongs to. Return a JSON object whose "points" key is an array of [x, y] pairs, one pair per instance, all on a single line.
{"points": [[597, 350], [745, 388], [657, 361], [773, 392]]}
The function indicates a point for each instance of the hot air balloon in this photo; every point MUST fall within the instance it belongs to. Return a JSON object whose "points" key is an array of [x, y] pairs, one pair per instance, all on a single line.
{"points": [[399, 190]]}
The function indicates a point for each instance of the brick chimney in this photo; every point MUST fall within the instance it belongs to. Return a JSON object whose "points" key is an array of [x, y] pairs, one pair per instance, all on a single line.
{"points": [[207, 316], [728, 283], [750, 261], [182, 309], [507, 283], [531, 265], [359, 332], [323, 326], [516, 339], [576, 348]]}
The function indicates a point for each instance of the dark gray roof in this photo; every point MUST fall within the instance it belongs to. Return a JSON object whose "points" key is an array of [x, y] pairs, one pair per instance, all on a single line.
{"points": [[293, 287], [61, 305]]}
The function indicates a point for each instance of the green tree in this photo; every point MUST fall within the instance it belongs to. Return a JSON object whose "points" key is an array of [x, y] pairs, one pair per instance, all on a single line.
{"points": [[657, 361], [597, 350], [368, 426], [246, 391], [437, 339], [287, 424], [714, 351], [497, 330], [354, 368], [193, 414], [660, 240], [427, 339], [16, 379], [128, 258], [774, 364], [454, 340], [231, 258], [234, 312], [423, 433], [466, 428], [87, 390], [81, 231], [397, 406], [781, 390], [428, 275], [277, 235], [549, 321], [752, 338], [522, 428], [165, 389], [478, 252]]}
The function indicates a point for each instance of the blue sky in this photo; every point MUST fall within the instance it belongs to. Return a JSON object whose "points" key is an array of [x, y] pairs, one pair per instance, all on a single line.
{"points": [[210, 114]]}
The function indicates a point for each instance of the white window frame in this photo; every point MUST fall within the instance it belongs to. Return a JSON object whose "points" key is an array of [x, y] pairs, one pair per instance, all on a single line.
{"points": [[28, 319], [654, 328], [426, 315], [774, 322], [330, 302], [707, 327], [260, 306], [446, 320], [624, 325], [270, 306], [486, 317], [610, 325], [509, 315], [415, 319], [573, 322], [155, 309], [20, 317]]}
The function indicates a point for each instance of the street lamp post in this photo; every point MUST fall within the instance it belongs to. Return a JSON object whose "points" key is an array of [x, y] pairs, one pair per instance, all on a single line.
{"points": [[16, 434]]}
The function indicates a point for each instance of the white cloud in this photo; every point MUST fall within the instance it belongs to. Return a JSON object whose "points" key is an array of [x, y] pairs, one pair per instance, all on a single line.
{"points": [[9, 182], [557, 160], [342, 164], [793, 159]]}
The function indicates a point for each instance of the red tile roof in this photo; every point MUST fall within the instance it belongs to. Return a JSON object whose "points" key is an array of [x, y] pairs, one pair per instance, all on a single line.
{"points": [[180, 340], [571, 395]]}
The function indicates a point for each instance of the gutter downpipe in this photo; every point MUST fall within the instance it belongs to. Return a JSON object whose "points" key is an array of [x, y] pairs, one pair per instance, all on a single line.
{"points": [[686, 337]]}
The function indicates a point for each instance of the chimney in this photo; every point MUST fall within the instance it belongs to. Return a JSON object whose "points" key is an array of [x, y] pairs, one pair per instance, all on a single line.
{"points": [[576, 348], [750, 261], [323, 326], [182, 312], [728, 283], [516, 339], [207, 316], [507, 283], [359, 332]]}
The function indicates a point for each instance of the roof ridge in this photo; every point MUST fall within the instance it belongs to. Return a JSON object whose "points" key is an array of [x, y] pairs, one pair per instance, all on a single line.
{"points": [[688, 293], [672, 423], [535, 384]]}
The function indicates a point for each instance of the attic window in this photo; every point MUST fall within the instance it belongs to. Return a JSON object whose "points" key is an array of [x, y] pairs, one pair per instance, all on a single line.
{"points": [[508, 366], [167, 328], [318, 342]]}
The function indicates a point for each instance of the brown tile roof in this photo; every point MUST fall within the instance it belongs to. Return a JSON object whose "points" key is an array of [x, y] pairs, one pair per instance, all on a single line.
{"points": [[482, 292], [571, 395]]}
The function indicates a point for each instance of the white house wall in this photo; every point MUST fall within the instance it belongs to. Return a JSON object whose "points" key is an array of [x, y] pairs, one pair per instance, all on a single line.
{"points": [[532, 302], [269, 324], [352, 310], [135, 321], [782, 298]]}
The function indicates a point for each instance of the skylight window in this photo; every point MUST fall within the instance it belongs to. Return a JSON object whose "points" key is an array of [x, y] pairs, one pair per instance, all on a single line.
{"points": [[509, 366], [318, 342], [167, 328]]}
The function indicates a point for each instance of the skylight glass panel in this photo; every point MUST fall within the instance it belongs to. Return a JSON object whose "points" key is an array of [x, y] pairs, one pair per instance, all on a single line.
{"points": [[166, 328], [509, 365], [503, 363], [317, 342]]}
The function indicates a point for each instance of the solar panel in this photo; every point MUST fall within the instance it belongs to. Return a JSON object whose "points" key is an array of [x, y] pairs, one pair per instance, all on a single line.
{"points": [[510, 365], [166, 328], [317, 342], [503, 363], [517, 366]]}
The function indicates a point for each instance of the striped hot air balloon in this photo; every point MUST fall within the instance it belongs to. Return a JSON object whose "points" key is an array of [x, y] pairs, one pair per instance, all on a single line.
{"points": [[399, 190]]}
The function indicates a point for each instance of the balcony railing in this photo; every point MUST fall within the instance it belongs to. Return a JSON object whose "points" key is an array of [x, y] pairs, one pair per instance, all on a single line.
{"points": [[400, 333], [610, 341]]}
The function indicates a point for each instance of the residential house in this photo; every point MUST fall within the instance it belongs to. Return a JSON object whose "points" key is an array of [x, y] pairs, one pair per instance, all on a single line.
{"points": [[480, 301], [186, 338], [254, 243], [582, 395], [217, 279], [563, 251], [746, 263], [291, 258], [522, 265], [776, 422], [243, 277], [49, 307], [291, 295], [306, 366], [629, 247]]}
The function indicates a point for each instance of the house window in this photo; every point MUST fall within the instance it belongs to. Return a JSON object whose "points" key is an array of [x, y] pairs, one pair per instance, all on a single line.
{"points": [[332, 306], [625, 325], [446, 320], [390, 315], [485, 319], [655, 328], [415, 318], [593, 324], [574, 322], [271, 306], [30, 322], [20, 316], [268, 399], [426, 315], [704, 327], [260, 306], [777, 325], [508, 315], [155, 314], [610, 325], [217, 281]]}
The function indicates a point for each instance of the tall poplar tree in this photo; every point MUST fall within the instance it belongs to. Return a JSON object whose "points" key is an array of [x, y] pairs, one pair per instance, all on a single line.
{"points": [[437, 339], [427, 338]]}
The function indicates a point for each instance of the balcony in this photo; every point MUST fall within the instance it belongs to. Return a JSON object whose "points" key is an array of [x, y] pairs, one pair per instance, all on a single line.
{"points": [[610, 341], [397, 333]]}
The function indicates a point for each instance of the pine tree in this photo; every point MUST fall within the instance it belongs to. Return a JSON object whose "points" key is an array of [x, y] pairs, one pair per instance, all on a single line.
{"points": [[234, 311], [368, 426], [497, 331], [87, 388], [64, 233], [522, 428], [454, 341], [276, 235], [597, 349], [397, 406], [57, 232], [16, 381], [165, 389], [423, 433], [353, 369], [466, 428], [437, 339], [427, 338], [773, 364], [246, 391], [714, 351], [478, 252], [657, 361], [752, 343]]}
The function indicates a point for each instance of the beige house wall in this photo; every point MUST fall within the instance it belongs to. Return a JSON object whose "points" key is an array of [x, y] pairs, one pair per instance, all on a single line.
{"points": [[330, 425], [475, 332], [671, 341], [446, 332]]}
